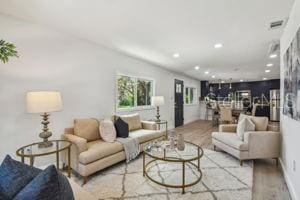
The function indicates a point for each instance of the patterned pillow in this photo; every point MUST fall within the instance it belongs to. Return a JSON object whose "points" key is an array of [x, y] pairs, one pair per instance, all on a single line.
{"points": [[243, 126], [48, 185], [107, 131], [122, 128], [14, 176]]}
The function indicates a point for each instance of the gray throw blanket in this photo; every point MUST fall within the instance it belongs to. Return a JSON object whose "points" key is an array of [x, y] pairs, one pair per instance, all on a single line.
{"points": [[131, 147]]}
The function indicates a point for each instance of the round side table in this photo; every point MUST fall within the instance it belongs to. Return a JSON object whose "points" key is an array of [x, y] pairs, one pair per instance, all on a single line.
{"points": [[32, 151]]}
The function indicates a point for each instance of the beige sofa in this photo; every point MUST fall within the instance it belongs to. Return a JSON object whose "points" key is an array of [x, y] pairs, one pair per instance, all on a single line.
{"points": [[259, 144], [90, 157]]}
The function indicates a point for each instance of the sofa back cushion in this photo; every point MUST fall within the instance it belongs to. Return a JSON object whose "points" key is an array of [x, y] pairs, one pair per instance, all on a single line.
{"points": [[133, 121], [261, 123], [14, 176], [87, 129], [107, 130]]}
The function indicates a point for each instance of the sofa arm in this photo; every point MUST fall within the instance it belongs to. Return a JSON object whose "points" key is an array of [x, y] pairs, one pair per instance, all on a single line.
{"points": [[149, 125], [79, 142], [228, 128], [263, 144], [274, 128]]}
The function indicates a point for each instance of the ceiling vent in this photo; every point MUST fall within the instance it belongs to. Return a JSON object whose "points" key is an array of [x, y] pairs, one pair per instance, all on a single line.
{"points": [[276, 24], [274, 47]]}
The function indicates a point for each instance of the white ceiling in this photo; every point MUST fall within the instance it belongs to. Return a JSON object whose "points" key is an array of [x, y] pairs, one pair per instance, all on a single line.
{"points": [[153, 30]]}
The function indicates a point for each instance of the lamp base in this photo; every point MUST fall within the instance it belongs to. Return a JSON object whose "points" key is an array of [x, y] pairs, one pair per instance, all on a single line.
{"points": [[157, 114], [45, 144], [46, 133]]}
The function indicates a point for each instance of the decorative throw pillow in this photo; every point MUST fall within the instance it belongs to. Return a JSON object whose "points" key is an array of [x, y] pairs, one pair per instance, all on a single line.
{"points": [[243, 126], [14, 176], [87, 128], [107, 130], [48, 185], [240, 129], [122, 128]]}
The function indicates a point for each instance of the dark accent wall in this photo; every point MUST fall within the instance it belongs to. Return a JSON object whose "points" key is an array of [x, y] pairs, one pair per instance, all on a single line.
{"points": [[257, 88]]}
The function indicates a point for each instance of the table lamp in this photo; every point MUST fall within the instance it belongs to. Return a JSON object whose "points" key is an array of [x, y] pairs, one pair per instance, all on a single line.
{"points": [[44, 102], [157, 101]]}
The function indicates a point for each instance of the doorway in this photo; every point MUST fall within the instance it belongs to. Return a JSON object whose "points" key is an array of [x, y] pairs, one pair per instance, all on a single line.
{"points": [[178, 102]]}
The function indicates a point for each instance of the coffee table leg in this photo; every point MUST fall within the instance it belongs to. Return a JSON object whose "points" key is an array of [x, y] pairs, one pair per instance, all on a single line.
{"points": [[183, 177], [198, 159], [69, 162], [143, 164]]}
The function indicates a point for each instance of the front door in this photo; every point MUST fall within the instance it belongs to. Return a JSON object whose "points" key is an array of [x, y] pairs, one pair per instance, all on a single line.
{"points": [[178, 102]]}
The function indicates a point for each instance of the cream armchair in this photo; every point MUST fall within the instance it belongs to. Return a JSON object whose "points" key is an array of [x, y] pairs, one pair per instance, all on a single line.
{"points": [[259, 144], [88, 157]]}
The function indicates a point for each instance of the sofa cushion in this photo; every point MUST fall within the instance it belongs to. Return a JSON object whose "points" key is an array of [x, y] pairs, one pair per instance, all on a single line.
{"points": [[122, 128], [261, 123], [87, 128], [14, 176], [107, 131], [133, 121], [99, 149], [47, 185], [144, 135], [230, 139]]}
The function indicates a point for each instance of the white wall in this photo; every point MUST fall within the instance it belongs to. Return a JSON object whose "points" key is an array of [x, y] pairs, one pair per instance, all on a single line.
{"points": [[85, 74], [290, 128]]}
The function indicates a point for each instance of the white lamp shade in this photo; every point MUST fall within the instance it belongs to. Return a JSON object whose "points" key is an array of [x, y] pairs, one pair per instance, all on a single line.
{"points": [[43, 102], [157, 101]]}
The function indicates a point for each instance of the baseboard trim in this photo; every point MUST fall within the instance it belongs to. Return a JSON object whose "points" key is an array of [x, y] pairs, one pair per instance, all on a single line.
{"points": [[288, 181]]}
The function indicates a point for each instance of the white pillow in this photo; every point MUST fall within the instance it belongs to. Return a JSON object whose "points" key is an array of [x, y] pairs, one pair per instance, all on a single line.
{"points": [[243, 126], [107, 130]]}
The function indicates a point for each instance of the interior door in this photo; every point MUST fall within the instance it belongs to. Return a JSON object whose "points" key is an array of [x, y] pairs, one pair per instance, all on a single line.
{"points": [[178, 104]]}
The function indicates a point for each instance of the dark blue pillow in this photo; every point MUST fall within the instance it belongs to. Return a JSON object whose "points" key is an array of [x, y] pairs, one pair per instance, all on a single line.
{"points": [[14, 176], [48, 185], [122, 128]]}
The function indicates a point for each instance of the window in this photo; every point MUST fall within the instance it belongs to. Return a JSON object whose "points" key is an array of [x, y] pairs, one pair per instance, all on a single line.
{"points": [[133, 92], [190, 95]]}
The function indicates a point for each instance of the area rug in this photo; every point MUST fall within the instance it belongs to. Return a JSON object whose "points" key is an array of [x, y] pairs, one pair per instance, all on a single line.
{"points": [[223, 178]]}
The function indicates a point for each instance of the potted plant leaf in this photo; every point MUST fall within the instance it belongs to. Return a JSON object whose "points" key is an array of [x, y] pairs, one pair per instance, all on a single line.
{"points": [[7, 50]]}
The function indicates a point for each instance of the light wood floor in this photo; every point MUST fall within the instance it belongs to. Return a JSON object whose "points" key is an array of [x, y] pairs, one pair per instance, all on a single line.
{"points": [[268, 181]]}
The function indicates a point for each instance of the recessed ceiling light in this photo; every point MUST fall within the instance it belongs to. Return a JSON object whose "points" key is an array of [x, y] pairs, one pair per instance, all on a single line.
{"points": [[273, 55], [176, 55], [206, 72], [197, 67], [213, 76], [241, 80], [269, 65], [218, 45], [222, 81], [264, 79], [267, 70]]}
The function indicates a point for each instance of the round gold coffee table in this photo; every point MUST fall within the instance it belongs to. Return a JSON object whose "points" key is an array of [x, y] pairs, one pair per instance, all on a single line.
{"points": [[34, 150], [161, 151]]}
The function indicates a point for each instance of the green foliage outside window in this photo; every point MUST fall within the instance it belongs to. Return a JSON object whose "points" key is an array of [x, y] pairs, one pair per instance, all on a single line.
{"points": [[134, 92]]}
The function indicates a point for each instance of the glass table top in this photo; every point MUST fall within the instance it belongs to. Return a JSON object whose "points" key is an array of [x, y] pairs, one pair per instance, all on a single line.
{"points": [[35, 150], [162, 150]]}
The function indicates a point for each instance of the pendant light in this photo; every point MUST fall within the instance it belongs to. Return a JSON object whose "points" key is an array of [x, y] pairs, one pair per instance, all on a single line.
{"points": [[219, 84], [230, 86]]}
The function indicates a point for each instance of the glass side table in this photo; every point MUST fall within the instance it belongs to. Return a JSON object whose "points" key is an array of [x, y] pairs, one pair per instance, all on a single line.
{"points": [[33, 150], [161, 122]]}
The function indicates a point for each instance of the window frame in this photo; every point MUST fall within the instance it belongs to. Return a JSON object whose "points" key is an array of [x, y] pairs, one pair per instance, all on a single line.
{"points": [[135, 107], [195, 101]]}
